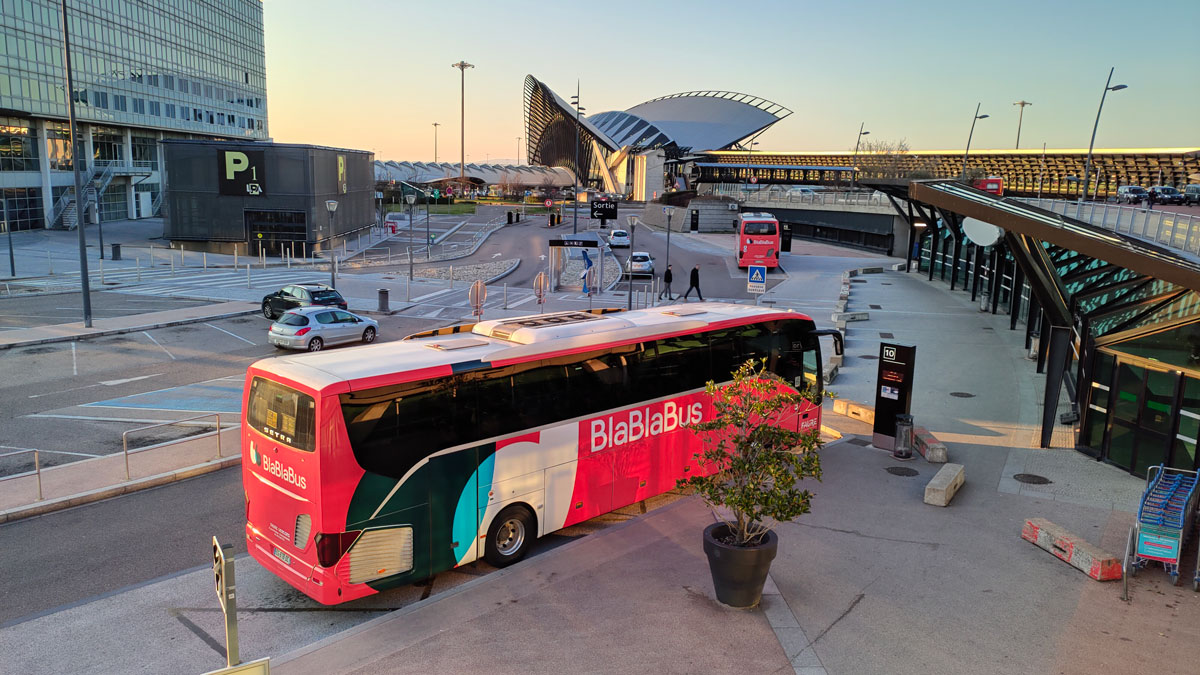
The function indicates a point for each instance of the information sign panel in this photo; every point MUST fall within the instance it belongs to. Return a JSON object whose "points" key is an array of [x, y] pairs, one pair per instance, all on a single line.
{"points": [[893, 391], [756, 279], [604, 210]]}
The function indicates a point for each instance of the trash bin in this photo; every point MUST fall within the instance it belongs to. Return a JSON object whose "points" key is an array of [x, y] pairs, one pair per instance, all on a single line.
{"points": [[904, 437], [116, 251], [1035, 345], [510, 220], [383, 300]]}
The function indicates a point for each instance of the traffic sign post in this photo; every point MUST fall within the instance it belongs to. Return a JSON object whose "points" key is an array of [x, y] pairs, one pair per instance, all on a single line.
{"points": [[226, 593], [478, 296], [756, 281], [668, 210]]}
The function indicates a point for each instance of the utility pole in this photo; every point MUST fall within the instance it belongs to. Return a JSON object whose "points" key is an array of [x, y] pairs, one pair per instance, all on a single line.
{"points": [[76, 158], [462, 147], [1020, 116]]}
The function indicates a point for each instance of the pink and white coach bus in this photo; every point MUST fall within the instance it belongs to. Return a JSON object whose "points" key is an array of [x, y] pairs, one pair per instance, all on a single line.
{"points": [[378, 466]]}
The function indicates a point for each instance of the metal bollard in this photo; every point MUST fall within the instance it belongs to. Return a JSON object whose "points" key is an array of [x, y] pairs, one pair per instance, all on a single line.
{"points": [[49, 263], [506, 295], [383, 300], [181, 262], [138, 262], [151, 256], [235, 263], [452, 276], [358, 241], [247, 275], [904, 433], [172, 264], [102, 271], [204, 260], [37, 468]]}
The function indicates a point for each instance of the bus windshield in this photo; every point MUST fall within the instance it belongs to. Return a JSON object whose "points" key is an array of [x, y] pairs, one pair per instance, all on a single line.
{"points": [[753, 227], [282, 413]]}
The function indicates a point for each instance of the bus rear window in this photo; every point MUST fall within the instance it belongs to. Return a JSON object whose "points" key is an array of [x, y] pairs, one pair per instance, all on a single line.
{"points": [[282, 413], [759, 228]]}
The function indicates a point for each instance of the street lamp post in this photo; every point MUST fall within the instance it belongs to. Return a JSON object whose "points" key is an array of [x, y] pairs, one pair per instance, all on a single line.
{"points": [[331, 206], [857, 140], [669, 210], [1020, 117], [76, 158], [1088, 167], [435, 126], [968, 150], [428, 241], [411, 199], [575, 194], [462, 112], [629, 259]]}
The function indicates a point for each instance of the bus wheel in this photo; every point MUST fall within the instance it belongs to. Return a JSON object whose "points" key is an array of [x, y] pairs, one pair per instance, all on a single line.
{"points": [[511, 534]]}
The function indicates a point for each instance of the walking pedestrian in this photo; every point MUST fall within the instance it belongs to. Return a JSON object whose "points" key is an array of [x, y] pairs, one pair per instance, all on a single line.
{"points": [[1150, 200], [666, 285], [695, 284]]}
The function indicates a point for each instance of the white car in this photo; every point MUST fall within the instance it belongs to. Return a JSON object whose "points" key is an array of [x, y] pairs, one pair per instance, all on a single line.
{"points": [[313, 328], [618, 239], [639, 262]]}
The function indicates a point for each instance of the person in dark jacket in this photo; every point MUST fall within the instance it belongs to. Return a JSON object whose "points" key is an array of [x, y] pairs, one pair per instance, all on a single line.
{"points": [[695, 284], [666, 284]]}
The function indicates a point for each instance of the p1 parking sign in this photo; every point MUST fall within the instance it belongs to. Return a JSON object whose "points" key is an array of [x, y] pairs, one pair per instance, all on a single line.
{"points": [[242, 173]]}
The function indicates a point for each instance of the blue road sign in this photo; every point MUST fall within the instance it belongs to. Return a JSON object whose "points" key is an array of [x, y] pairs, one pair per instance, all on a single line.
{"points": [[756, 279]]}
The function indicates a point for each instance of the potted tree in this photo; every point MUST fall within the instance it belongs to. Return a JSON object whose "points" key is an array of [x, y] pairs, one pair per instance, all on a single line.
{"points": [[751, 477]]}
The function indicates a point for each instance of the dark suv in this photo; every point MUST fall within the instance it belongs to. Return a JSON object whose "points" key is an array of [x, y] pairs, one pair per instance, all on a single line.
{"points": [[300, 295], [1165, 194], [1191, 194]]}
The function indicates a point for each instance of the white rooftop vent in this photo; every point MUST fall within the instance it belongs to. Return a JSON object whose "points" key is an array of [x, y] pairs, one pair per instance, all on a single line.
{"points": [[545, 327], [461, 343], [685, 312]]}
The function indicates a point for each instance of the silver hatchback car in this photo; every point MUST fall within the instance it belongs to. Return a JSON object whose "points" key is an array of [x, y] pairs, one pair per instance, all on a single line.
{"points": [[313, 328]]}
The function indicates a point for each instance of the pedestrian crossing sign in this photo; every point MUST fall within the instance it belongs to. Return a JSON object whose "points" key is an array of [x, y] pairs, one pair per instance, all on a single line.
{"points": [[756, 280]]}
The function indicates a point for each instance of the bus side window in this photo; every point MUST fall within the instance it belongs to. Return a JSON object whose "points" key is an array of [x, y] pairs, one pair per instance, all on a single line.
{"points": [[541, 395]]}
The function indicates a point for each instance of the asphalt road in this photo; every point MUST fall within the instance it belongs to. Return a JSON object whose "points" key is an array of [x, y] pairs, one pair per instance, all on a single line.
{"points": [[44, 310]]}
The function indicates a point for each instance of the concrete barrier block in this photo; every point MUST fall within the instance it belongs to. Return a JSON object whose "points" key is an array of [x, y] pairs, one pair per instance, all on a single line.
{"points": [[897, 267], [831, 373], [871, 270], [839, 405], [944, 485], [861, 412], [836, 359], [851, 316], [850, 273], [841, 326], [933, 450], [840, 306], [1071, 549]]}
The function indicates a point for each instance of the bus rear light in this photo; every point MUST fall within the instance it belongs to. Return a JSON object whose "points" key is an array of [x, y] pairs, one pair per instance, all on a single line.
{"points": [[331, 547], [303, 331], [770, 253]]}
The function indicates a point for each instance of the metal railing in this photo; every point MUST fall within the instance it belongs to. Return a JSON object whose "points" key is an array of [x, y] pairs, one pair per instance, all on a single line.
{"points": [[125, 436], [1178, 231], [37, 470]]}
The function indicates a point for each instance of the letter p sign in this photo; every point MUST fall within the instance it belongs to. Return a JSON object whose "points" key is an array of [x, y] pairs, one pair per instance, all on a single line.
{"points": [[242, 173], [235, 162]]}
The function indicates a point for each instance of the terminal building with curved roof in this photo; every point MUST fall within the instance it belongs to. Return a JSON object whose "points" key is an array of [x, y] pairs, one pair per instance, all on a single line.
{"points": [[626, 151], [433, 173]]}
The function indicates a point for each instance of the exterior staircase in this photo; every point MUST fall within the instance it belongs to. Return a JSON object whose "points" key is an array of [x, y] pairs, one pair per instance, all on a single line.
{"points": [[95, 181]]}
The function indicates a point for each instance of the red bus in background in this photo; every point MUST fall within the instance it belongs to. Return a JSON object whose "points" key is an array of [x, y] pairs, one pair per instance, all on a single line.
{"points": [[992, 184], [758, 240]]}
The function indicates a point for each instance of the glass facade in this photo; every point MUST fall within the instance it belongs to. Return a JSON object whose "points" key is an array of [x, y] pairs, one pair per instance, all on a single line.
{"points": [[136, 61], [18, 145], [23, 208]]}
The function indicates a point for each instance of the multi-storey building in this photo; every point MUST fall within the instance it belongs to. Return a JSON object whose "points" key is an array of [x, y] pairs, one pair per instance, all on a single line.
{"points": [[143, 70]]}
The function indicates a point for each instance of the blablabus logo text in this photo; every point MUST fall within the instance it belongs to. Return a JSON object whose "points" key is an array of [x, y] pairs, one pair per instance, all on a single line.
{"points": [[651, 420], [283, 472]]}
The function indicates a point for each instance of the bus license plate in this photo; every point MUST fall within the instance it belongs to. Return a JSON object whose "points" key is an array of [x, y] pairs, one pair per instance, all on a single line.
{"points": [[287, 559]]}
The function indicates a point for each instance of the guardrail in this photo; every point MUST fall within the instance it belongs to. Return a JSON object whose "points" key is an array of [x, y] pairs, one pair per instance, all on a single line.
{"points": [[1178, 231], [37, 469], [125, 438]]}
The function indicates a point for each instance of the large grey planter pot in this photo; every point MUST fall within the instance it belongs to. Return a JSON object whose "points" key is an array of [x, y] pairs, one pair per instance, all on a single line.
{"points": [[738, 572]]}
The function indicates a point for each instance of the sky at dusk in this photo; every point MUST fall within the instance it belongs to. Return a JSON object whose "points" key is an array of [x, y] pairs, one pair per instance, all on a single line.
{"points": [[376, 74]]}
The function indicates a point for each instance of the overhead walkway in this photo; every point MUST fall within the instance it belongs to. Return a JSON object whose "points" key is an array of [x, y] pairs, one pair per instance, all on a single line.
{"points": [[1113, 317]]}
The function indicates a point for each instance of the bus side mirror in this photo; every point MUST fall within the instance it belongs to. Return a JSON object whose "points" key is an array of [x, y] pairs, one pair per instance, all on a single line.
{"points": [[839, 346]]}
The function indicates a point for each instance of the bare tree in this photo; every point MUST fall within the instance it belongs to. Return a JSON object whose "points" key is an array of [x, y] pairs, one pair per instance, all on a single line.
{"points": [[892, 159]]}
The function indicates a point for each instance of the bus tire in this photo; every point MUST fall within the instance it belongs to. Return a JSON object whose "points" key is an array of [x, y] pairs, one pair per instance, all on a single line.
{"points": [[510, 536]]}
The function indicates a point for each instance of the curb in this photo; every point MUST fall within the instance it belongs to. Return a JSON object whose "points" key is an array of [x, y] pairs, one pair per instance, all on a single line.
{"points": [[99, 494], [131, 329]]}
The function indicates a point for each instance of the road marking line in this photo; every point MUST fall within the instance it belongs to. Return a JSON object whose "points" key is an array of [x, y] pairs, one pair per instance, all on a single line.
{"points": [[432, 295], [159, 345], [133, 420], [228, 333], [113, 383], [522, 301]]}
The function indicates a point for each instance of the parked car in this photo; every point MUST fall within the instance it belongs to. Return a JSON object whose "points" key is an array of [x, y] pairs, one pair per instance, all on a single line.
{"points": [[1191, 194], [618, 239], [1165, 194], [313, 328], [639, 262], [300, 295], [1131, 194]]}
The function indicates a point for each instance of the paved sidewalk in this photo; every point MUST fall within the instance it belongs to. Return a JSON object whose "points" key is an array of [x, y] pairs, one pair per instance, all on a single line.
{"points": [[65, 332]]}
